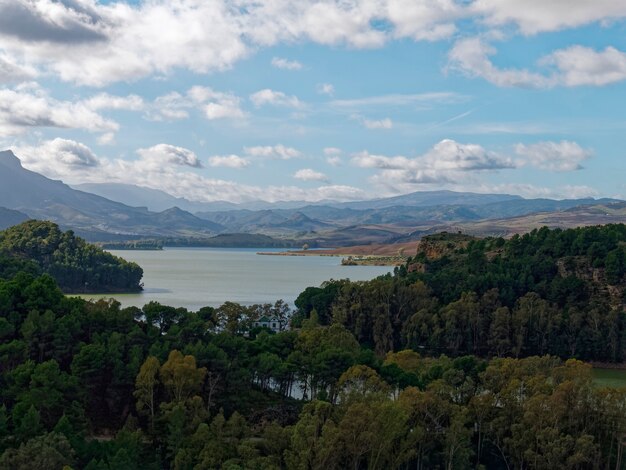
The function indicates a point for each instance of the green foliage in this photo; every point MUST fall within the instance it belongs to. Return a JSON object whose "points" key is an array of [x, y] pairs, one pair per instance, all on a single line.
{"points": [[363, 384], [41, 247]]}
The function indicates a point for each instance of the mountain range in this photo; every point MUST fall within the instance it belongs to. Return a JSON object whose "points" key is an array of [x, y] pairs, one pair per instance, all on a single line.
{"points": [[87, 214], [112, 211]]}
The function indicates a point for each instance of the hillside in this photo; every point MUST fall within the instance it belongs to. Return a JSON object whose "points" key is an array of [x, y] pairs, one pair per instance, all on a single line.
{"points": [[153, 199], [75, 265], [557, 292], [9, 217], [93, 216]]}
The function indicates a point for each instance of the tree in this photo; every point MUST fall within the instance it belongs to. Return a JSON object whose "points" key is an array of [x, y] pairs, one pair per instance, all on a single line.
{"points": [[29, 426], [181, 377], [146, 387], [50, 451]]}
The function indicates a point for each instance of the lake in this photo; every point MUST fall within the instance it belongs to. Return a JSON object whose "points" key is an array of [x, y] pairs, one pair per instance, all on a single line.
{"points": [[198, 277]]}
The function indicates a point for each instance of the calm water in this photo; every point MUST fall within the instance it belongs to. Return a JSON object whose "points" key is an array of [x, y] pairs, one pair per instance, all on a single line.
{"points": [[197, 277]]}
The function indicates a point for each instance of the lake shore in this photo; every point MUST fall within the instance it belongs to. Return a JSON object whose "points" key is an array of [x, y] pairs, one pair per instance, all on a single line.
{"points": [[361, 255]]}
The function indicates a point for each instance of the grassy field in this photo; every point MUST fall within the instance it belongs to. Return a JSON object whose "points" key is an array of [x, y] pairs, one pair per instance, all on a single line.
{"points": [[609, 377]]}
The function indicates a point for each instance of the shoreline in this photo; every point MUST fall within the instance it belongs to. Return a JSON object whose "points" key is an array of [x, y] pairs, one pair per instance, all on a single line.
{"points": [[348, 259]]}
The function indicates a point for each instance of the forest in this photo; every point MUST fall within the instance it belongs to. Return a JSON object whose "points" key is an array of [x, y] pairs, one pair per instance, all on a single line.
{"points": [[557, 292], [41, 247], [446, 364]]}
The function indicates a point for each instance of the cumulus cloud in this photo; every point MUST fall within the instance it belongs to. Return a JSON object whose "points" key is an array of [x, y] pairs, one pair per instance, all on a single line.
{"points": [[98, 43], [277, 152], [470, 56], [66, 152], [554, 156], [573, 66], [211, 103], [165, 154], [307, 174], [274, 98], [95, 43], [229, 161], [536, 16], [423, 20], [445, 155], [446, 162], [28, 107], [166, 168], [48, 21], [107, 101], [11, 71], [59, 157], [286, 64], [578, 65]]}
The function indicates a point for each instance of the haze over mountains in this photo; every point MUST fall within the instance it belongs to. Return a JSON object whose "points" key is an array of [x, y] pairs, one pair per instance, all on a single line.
{"points": [[118, 211]]}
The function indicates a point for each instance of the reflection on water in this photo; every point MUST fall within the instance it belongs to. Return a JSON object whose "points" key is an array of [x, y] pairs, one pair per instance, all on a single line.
{"points": [[197, 277]]}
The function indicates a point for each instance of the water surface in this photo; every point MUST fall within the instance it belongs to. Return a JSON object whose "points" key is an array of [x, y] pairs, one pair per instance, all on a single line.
{"points": [[197, 277]]}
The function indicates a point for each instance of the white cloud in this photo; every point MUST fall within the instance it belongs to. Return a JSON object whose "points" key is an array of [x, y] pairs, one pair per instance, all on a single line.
{"points": [[286, 64], [58, 158], [94, 43], [424, 20], [446, 162], [307, 174], [12, 72], [68, 152], [325, 89], [554, 156], [274, 98], [471, 57], [106, 101], [229, 161], [332, 151], [378, 124], [573, 66], [334, 161], [578, 65], [532, 191], [278, 152], [536, 16], [98, 43], [213, 105], [29, 107], [165, 154], [165, 169], [106, 139]]}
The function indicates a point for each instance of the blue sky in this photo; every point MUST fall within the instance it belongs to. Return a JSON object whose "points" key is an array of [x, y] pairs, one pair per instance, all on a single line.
{"points": [[309, 100]]}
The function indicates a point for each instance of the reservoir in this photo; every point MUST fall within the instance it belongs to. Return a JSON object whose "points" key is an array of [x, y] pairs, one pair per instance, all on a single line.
{"points": [[198, 277]]}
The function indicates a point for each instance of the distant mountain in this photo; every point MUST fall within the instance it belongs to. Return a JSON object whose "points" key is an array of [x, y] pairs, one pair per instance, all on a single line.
{"points": [[90, 215], [153, 199], [326, 223], [9, 218], [430, 198]]}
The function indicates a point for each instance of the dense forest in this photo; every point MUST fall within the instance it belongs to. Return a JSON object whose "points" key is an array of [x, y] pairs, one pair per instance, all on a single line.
{"points": [[356, 385], [557, 292], [77, 266]]}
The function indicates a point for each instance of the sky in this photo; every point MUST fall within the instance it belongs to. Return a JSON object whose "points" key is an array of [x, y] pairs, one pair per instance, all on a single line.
{"points": [[310, 100]]}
